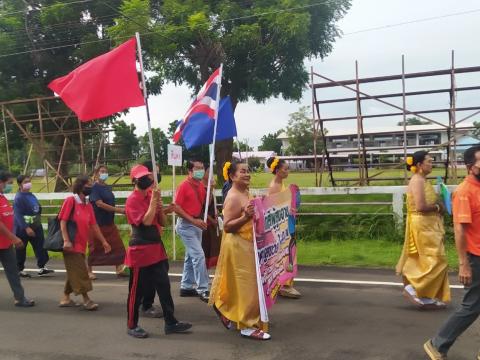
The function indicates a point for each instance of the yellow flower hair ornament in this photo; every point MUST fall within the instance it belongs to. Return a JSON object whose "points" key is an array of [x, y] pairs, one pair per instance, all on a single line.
{"points": [[413, 169], [410, 160], [226, 167], [274, 164]]}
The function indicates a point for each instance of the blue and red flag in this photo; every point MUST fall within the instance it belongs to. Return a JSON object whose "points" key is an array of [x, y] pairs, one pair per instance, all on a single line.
{"points": [[197, 126]]}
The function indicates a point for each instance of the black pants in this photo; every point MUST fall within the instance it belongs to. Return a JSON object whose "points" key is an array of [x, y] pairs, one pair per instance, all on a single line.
{"points": [[465, 315], [155, 275], [37, 244], [148, 296]]}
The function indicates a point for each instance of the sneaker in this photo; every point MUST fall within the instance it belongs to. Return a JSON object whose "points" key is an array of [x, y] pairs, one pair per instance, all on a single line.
{"points": [[178, 327], [432, 352], [205, 296], [25, 303], [152, 312], [24, 274], [138, 333], [289, 292], [255, 334], [45, 271], [188, 293]]}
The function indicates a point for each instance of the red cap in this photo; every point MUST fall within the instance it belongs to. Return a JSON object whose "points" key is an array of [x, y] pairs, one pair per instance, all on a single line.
{"points": [[139, 171]]}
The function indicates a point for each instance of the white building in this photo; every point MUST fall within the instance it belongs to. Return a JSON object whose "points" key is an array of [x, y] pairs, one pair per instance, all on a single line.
{"points": [[384, 144], [262, 156]]}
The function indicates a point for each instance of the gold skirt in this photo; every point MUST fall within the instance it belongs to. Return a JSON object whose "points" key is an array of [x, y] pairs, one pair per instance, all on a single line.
{"points": [[423, 261], [234, 290]]}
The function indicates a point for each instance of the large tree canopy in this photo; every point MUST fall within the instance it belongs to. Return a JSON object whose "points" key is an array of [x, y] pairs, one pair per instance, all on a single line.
{"points": [[262, 44]]}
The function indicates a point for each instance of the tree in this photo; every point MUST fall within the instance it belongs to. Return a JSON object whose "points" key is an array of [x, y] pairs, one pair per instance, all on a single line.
{"points": [[271, 142], [126, 144], [160, 145], [476, 131], [262, 44], [243, 146], [300, 133], [39, 42], [414, 121]]}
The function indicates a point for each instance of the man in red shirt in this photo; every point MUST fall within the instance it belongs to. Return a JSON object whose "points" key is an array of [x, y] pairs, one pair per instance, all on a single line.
{"points": [[189, 205], [466, 218], [8, 240]]}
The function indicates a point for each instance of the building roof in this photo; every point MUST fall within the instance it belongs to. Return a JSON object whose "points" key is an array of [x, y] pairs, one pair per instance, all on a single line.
{"points": [[394, 129]]}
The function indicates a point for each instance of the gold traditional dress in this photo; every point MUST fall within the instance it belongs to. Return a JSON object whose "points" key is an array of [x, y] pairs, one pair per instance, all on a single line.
{"points": [[423, 261], [234, 290]]}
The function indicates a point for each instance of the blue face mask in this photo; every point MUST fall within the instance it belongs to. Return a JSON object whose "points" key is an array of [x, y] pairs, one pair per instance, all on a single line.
{"points": [[8, 188], [198, 174], [103, 177]]}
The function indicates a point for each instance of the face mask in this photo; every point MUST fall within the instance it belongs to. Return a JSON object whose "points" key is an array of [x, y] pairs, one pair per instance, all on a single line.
{"points": [[8, 188], [27, 186], [87, 190], [103, 177], [144, 182], [198, 174]]}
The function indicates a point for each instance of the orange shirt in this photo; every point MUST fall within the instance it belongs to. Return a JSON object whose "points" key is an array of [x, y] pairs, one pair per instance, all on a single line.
{"points": [[466, 210]]}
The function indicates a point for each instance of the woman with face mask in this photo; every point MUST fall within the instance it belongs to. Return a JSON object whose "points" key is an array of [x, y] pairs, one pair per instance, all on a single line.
{"points": [[76, 208], [146, 255], [103, 202], [279, 169], [8, 242], [28, 226], [423, 263]]}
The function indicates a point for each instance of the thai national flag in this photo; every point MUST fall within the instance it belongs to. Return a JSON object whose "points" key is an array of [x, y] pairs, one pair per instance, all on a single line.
{"points": [[196, 127]]}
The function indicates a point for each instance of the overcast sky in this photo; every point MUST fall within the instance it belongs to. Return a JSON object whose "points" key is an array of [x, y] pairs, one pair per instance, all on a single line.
{"points": [[426, 45]]}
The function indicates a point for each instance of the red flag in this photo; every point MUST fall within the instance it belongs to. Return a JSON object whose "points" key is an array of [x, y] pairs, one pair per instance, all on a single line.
{"points": [[102, 86]]}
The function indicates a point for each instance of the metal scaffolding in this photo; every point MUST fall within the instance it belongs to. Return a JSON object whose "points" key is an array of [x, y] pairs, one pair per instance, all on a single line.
{"points": [[51, 129], [319, 122]]}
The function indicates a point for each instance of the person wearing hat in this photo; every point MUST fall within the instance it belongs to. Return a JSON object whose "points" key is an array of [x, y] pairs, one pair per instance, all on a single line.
{"points": [[146, 255]]}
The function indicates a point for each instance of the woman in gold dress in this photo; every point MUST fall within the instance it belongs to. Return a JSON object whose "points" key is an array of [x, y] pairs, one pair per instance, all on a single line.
{"points": [[279, 169], [234, 292], [423, 263]]}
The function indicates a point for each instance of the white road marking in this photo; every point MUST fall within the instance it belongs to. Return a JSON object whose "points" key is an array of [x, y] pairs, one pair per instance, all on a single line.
{"points": [[300, 280]]}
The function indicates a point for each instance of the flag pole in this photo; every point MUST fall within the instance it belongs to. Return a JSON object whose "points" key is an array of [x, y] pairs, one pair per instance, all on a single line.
{"points": [[144, 88], [210, 170]]}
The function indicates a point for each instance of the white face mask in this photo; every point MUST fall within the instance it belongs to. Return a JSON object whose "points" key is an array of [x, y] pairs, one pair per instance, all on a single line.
{"points": [[27, 186]]}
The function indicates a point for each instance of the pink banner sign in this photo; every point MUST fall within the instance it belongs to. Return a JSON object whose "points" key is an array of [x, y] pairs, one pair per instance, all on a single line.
{"points": [[275, 242]]}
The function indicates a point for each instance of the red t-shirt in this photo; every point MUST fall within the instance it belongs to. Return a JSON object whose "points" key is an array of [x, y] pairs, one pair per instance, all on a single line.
{"points": [[190, 196], [136, 207], [83, 216], [466, 210], [6, 217]]}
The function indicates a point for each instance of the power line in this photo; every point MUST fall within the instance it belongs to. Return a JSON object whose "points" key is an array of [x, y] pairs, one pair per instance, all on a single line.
{"points": [[412, 22]]}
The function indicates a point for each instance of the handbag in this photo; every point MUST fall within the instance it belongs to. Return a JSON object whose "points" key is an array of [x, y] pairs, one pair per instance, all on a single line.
{"points": [[54, 238]]}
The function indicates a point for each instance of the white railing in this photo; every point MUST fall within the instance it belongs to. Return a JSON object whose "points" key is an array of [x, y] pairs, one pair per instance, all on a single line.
{"points": [[397, 201]]}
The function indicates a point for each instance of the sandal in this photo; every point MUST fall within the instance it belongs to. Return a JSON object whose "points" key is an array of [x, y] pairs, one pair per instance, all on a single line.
{"points": [[227, 324], [90, 306], [25, 303], [70, 303], [255, 334]]}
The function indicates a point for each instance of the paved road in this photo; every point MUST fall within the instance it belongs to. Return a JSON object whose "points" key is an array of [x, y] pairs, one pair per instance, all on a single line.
{"points": [[332, 321]]}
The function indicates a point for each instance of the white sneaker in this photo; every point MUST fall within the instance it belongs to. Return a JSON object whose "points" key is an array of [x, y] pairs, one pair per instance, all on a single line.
{"points": [[255, 334]]}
